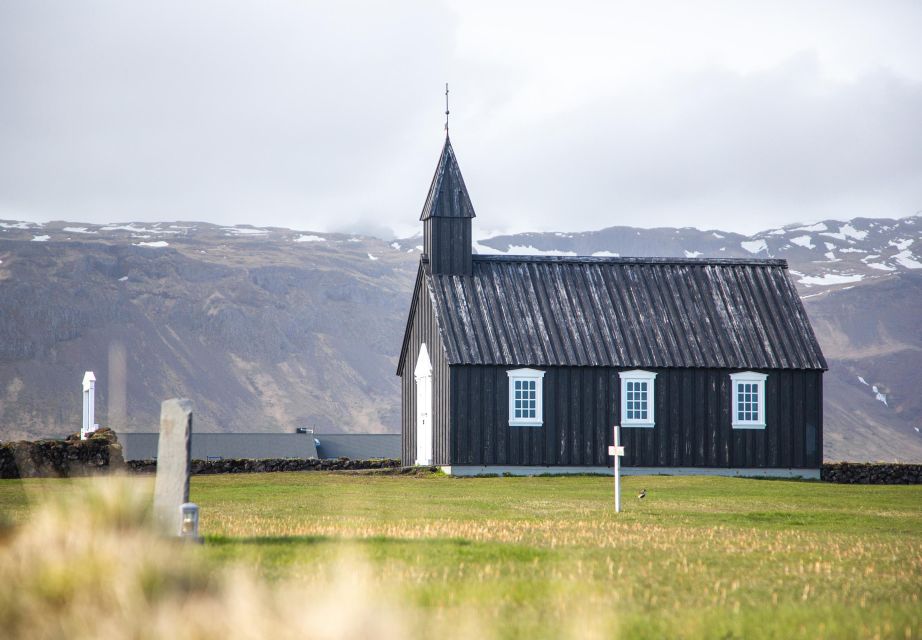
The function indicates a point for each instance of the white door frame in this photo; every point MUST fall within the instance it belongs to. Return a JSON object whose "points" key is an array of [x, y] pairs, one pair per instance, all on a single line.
{"points": [[423, 375]]}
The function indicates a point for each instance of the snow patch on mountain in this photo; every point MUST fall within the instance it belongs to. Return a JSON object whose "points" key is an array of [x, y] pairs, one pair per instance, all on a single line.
{"points": [[829, 279], [20, 225], [819, 226], [805, 241], [484, 250], [606, 254], [908, 260], [243, 231], [878, 395], [309, 238], [41, 238], [528, 250], [132, 228], [77, 230], [157, 244], [846, 231], [754, 246]]}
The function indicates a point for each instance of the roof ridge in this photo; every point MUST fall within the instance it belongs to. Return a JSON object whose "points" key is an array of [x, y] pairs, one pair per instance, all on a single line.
{"points": [[755, 262]]}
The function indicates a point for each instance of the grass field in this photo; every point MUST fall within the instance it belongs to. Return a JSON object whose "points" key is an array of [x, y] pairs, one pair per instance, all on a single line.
{"points": [[547, 558]]}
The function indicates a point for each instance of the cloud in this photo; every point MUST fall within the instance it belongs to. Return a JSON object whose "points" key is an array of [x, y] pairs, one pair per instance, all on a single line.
{"points": [[328, 117], [714, 149]]}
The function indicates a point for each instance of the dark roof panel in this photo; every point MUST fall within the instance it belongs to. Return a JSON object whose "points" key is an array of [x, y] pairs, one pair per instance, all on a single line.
{"points": [[624, 312], [447, 197]]}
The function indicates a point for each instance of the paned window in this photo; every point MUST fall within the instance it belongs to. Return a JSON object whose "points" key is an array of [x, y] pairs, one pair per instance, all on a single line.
{"points": [[525, 401], [637, 390], [748, 389]]}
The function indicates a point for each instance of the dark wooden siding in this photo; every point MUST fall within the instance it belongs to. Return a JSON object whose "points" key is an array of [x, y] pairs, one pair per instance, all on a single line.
{"points": [[692, 409], [447, 243], [423, 329]]}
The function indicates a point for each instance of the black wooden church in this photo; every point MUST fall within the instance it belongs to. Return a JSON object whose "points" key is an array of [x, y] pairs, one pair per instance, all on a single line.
{"points": [[523, 364]]}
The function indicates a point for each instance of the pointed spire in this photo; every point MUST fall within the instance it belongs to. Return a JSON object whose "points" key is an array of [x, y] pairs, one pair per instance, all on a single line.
{"points": [[448, 196]]}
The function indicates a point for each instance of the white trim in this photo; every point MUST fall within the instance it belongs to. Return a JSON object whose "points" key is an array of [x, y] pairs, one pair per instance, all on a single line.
{"points": [[423, 363], [423, 375], [638, 375], [749, 377], [471, 470], [527, 374]]}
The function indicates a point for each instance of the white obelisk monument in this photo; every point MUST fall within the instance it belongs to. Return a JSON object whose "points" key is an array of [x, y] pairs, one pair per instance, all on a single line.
{"points": [[89, 405]]}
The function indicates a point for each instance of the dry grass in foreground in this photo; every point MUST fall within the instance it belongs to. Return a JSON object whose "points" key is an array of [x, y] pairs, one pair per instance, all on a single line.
{"points": [[87, 565], [318, 555]]}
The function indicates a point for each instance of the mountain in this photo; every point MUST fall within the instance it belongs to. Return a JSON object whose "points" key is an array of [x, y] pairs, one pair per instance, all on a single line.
{"points": [[267, 329]]}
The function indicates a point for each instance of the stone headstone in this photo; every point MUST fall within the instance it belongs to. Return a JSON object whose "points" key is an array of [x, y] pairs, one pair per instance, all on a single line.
{"points": [[171, 489]]}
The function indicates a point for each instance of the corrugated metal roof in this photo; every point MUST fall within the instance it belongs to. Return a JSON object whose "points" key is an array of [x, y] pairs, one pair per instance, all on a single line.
{"points": [[358, 446], [447, 197], [143, 446], [624, 312]]}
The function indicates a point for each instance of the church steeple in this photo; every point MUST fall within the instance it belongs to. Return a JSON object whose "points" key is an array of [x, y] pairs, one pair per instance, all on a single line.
{"points": [[447, 217]]}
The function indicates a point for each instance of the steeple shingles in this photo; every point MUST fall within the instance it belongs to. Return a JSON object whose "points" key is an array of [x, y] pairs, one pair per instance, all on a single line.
{"points": [[447, 196]]}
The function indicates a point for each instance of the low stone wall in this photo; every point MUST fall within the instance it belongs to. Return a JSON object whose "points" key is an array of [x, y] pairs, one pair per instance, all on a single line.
{"points": [[99, 453], [871, 473], [205, 467]]}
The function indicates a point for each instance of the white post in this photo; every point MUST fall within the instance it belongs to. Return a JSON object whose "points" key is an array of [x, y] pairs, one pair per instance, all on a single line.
{"points": [[617, 451], [89, 405]]}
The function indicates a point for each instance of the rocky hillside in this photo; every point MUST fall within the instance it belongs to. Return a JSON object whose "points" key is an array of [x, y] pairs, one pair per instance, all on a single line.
{"points": [[268, 329]]}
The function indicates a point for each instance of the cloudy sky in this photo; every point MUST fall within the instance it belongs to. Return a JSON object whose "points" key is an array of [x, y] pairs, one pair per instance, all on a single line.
{"points": [[565, 116]]}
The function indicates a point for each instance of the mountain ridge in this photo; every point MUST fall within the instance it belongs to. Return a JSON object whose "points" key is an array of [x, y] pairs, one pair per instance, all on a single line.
{"points": [[270, 328]]}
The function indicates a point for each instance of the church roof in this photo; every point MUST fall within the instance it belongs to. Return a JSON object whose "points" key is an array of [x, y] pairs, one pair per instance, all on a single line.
{"points": [[447, 196], [623, 312]]}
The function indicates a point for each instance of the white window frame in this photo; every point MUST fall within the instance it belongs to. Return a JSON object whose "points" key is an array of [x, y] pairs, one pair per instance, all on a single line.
{"points": [[527, 374], [638, 375], [748, 377]]}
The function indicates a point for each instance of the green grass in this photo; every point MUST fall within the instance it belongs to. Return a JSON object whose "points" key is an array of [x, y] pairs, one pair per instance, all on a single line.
{"points": [[547, 557]]}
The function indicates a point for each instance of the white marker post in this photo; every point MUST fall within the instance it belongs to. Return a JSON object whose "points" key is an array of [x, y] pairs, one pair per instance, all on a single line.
{"points": [[89, 405], [617, 451]]}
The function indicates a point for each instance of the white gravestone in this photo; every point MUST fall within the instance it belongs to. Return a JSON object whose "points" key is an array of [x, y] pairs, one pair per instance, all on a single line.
{"points": [[171, 489], [89, 405], [617, 451]]}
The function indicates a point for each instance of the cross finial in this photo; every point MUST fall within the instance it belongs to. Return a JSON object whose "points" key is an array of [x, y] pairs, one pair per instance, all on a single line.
{"points": [[446, 108]]}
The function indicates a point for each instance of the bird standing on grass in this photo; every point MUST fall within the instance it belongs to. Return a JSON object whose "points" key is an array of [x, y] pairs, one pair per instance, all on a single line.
{"points": [[642, 494]]}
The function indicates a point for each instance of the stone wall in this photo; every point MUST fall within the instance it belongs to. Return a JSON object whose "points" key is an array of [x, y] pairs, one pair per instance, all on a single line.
{"points": [[99, 453], [204, 467], [871, 473]]}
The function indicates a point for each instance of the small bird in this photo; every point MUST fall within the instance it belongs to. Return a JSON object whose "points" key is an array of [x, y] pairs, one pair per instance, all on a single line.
{"points": [[642, 494]]}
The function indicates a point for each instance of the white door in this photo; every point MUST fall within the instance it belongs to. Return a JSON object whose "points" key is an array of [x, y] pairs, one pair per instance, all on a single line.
{"points": [[423, 375]]}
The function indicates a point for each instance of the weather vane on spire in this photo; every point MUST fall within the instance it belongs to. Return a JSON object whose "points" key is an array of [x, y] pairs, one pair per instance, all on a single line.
{"points": [[446, 108]]}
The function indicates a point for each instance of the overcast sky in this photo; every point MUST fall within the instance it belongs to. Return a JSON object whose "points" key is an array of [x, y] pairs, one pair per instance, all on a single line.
{"points": [[565, 116]]}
